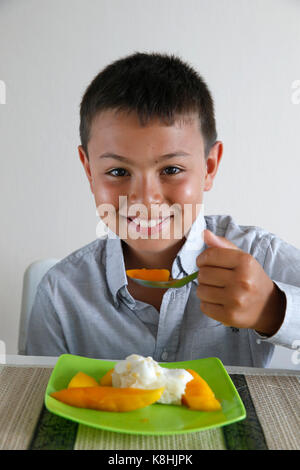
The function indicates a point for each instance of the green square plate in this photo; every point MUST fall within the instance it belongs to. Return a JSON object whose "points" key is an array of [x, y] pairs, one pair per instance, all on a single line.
{"points": [[156, 419]]}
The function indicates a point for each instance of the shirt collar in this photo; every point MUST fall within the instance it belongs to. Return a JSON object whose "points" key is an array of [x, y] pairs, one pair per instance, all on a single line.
{"points": [[184, 263], [193, 246], [115, 266]]}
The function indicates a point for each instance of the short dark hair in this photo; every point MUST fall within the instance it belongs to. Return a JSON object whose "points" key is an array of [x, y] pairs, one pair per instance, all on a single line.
{"points": [[153, 85]]}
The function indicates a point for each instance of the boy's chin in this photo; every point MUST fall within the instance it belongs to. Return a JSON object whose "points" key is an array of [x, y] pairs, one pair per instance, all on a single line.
{"points": [[152, 245]]}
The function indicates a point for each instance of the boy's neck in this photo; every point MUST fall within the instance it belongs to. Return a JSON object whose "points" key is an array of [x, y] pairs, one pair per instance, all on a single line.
{"points": [[160, 260]]}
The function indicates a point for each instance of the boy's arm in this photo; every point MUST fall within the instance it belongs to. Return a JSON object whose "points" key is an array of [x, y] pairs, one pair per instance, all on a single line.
{"points": [[45, 336], [282, 264]]}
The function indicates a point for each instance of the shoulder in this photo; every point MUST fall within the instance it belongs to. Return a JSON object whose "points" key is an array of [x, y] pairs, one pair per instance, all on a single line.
{"points": [[250, 238], [78, 266]]}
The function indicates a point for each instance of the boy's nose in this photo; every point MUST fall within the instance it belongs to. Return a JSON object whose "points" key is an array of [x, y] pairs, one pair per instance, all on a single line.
{"points": [[145, 191]]}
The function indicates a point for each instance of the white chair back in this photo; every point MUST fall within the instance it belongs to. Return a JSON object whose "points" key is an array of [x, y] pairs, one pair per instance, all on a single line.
{"points": [[31, 280]]}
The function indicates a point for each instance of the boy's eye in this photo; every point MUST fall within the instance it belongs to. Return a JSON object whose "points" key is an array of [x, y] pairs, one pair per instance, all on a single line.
{"points": [[172, 168], [121, 170]]}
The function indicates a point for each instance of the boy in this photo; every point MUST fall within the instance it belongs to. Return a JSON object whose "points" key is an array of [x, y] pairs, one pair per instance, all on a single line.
{"points": [[148, 140]]}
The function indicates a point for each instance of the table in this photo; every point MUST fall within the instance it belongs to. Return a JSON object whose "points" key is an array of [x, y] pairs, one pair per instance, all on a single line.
{"points": [[271, 398]]}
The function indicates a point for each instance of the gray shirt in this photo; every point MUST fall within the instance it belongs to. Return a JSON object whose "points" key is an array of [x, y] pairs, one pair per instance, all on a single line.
{"points": [[82, 305]]}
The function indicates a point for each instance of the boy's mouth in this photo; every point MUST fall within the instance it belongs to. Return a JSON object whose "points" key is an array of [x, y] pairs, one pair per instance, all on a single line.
{"points": [[148, 226]]}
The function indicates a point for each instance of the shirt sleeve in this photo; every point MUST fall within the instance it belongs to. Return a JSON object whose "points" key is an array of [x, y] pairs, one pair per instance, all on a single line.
{"points": [[282, 264], [45, 336]]}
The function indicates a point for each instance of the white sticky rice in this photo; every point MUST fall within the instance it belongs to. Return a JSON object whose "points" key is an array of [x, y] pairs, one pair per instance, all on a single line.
{"points": [[143, 372]]}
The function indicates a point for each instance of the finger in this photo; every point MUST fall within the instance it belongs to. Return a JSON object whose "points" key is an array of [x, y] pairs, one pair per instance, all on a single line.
{"points": [[211, 294], [214, 276], [220, 257], [213, 240]]}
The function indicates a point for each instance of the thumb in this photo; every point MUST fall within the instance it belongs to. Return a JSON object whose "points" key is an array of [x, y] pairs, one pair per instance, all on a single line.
{"points": [[212, 240]]}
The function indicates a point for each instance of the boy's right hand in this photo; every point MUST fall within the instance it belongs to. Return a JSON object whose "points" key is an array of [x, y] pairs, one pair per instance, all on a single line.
{"points": [[235, 290]]}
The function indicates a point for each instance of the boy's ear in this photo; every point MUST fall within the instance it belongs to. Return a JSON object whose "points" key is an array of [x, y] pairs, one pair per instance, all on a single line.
{"points": [[86, 165], [212, 164]]}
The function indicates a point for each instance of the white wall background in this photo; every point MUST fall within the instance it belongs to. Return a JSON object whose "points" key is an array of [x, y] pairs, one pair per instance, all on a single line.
{"points": [[247, 50]]}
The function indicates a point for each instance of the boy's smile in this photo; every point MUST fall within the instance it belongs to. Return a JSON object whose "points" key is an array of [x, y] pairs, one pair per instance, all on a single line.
{"points": [[151, 166]]}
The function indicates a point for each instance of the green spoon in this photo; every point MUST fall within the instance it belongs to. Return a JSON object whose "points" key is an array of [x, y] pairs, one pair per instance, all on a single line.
{"points": [[166, 284]]}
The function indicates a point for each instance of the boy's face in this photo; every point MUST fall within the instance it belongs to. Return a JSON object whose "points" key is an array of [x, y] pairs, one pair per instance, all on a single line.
{"points": [[147, 178]]}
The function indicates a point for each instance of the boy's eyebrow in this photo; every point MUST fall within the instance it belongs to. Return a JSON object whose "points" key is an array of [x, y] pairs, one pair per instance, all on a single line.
{"points": [[178, 153]]}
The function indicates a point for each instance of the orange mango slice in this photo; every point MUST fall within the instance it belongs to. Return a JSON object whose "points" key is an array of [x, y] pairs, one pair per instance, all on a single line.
{"points": [[198, 395], [149, 274], [108, 398], [82, 380], [106, 380]]}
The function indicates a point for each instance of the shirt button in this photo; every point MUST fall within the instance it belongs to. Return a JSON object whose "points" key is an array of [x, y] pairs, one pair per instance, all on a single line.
{"points": [[164, 355]]}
